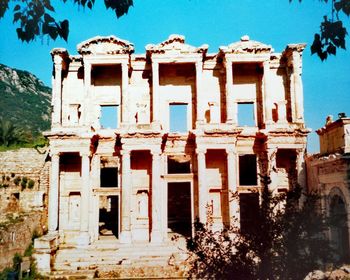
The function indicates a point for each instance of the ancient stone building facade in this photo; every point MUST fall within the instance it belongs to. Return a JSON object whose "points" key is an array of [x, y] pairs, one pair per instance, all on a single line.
{"points": [[329, 174], [141, 145]]}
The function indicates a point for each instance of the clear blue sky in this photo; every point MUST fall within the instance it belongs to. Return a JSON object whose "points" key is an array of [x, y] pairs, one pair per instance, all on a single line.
{"points": [[214, 22]]}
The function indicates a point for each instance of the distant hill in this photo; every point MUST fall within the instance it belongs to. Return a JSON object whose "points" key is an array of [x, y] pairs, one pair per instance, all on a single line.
{"points": [[24, 100]]}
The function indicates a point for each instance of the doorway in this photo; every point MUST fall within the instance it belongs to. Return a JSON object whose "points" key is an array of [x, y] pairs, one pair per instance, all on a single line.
{"points": [[179, 209], [108, 223]]}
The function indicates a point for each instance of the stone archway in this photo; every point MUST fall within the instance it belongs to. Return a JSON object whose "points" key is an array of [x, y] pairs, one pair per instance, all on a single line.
{"points": [[339, 233]]}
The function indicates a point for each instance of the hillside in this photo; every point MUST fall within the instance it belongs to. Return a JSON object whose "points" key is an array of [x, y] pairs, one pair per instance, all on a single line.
{"points": [[24, 100]]}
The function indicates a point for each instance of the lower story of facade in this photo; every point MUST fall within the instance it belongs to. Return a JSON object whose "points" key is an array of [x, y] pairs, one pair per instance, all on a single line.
{"points": [[146, 188]]}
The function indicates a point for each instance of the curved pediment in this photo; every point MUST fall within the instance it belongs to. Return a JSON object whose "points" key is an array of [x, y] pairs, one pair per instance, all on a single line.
{"points": [[105, 45], [175, 44], [245, 45]]}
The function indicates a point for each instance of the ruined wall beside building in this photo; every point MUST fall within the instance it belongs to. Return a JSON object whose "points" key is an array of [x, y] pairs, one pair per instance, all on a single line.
{"points": [[24, 183], [136, 137], [329, 174]]}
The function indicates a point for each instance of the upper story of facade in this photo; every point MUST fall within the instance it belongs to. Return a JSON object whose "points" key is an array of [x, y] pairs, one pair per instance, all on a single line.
{"points": [[335, 135], [176, 88]]}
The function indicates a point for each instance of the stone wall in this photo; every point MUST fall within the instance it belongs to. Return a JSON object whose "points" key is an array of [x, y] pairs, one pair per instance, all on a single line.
{"points": [[16, 236], [24, 182]]}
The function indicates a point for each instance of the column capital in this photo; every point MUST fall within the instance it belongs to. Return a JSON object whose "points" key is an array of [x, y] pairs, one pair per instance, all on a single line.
{"points": [[54, 154], [125, 152], [156, 151], [231, 150], [201, 150], [85, 154]]}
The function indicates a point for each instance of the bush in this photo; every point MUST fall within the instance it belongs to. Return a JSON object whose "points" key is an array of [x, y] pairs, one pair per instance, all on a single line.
{"points": [[17, 180], [31, 184]]}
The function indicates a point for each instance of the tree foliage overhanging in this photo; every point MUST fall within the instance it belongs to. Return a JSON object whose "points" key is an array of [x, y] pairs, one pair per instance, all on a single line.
{"points": [[36, 17], [332, 30], [285, 241]]}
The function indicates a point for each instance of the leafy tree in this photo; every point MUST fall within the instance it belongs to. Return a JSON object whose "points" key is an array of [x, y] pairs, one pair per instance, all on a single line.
{"points": [[285, 242], [332, 32], [36, 17], [10, 134]]}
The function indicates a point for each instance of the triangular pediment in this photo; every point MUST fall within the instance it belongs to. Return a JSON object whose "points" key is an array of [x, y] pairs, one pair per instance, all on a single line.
{"points": [[105, 45], [175, 44], [246, 46]]}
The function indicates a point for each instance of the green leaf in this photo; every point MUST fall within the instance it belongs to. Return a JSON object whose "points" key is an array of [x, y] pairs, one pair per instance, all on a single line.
{"points": [[3, 7], [16, 8]]}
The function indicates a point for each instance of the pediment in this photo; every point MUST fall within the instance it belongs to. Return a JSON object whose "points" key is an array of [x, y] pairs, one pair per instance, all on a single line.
{"points": [[175, 44], [105, 45], [246, 46]]}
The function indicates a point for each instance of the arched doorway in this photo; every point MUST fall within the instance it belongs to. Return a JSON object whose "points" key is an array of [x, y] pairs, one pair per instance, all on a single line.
{"points": [[339, 229]]}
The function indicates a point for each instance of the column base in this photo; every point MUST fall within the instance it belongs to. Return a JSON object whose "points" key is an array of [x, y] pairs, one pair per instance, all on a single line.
{"points": [[156, 237], [125, 237], [83, 239]]}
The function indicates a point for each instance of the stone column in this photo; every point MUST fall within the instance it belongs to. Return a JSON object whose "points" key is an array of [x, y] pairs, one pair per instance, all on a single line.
{"points": [[84, 238], [199, 99], [202, 186], [93, 209], [301, 168], [125, 94], [156, 235], [125, 234], [57, 92], [87, 83], [231, 109], [155, 92], [267, 93], [53, 193], [271, 169], [282, 111], [232, 182], [298, 87]]}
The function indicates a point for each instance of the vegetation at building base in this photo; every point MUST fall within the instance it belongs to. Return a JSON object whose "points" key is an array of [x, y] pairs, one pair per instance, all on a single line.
{"points": [[13, 272], [286, 241]]}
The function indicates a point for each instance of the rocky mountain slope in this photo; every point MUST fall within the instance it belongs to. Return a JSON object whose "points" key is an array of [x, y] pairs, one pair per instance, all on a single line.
{"points": [[24, 100]]}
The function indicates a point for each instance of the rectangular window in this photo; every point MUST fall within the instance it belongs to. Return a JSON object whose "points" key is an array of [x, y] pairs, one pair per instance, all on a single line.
{"points": [[246, 114], [247, 170], [248, 210], [178, 118], [109, 116], [179, 164], [109, 177]]}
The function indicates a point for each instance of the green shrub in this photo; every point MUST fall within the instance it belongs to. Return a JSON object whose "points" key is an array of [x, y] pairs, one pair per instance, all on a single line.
{"points": [[13, 175], [17, 180], [31, 184]]}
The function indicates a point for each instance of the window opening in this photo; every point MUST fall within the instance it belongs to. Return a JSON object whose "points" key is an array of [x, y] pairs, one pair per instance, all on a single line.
{"points": [[109, 177], [249, 208], [246, 114], [109, 116], [178, 118], [247, 170], [179, 164]]}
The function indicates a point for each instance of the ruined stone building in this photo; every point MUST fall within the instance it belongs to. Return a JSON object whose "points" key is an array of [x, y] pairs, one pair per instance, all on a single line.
{"points": [[329, 174], [143, 144]]}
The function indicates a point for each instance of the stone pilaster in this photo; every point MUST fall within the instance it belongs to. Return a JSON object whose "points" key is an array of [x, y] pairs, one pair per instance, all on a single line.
{"points": [[156, 235], [57, 92], [155, 92], [84, 238], [298, 88], [202, 186], [125, 234], [199, 99], [231, 109], [87, 103], [271, 169], [267, 93], [53, 193], [232, 182], [125, 94]]}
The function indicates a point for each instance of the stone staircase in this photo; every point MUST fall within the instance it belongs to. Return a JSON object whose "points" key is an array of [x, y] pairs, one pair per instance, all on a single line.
{"points": [[111, 260]]}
